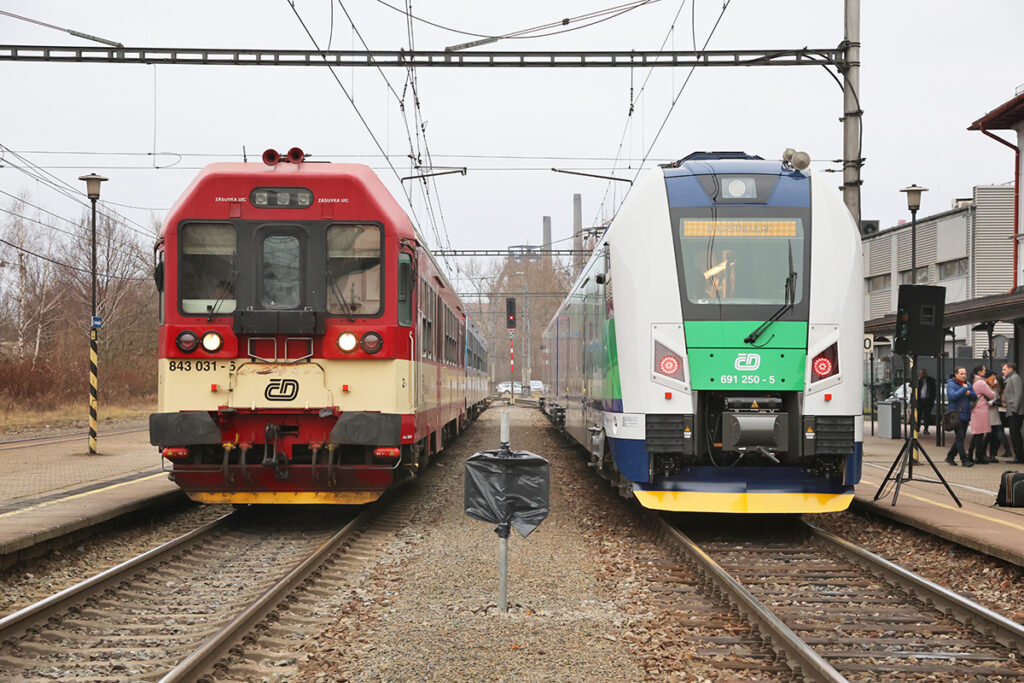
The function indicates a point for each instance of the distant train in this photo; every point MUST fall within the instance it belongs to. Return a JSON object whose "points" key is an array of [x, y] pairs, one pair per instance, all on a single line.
{"points": [[709, 354], [311, 350]]}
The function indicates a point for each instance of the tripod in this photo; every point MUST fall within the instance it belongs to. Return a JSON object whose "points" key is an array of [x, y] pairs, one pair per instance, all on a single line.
{"points": [[908, 454]]}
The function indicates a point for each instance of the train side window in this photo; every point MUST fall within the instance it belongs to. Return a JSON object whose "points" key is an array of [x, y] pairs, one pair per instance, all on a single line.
{"points": [[405, 293], [281, 286], [207, 274], [354, 269]]}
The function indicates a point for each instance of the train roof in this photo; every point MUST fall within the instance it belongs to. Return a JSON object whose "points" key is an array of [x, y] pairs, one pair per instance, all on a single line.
{"points": [[711, 163]]}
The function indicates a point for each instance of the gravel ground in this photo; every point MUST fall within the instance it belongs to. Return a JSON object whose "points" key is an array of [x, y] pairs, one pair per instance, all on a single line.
{"points": [[579, 606], [32, 580], [987, 580]]}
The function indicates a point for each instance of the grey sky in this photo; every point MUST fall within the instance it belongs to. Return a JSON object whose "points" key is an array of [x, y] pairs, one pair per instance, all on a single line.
{"points": [[930, 68]]}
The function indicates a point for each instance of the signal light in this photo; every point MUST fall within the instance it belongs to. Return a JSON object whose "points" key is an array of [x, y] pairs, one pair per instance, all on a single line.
{"points": [[825, 364], [187, 341], [668, 365], [271, 157], [371, 342], [510, 313]]}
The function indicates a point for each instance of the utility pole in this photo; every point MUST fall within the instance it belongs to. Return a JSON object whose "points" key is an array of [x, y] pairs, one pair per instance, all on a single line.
{"points": [[852, 112]]}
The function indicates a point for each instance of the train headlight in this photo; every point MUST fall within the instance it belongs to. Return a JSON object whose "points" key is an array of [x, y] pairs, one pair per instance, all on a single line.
{"points": [[371, 342], [825, 364], [187, 341], [212, 342], [347, 342]]}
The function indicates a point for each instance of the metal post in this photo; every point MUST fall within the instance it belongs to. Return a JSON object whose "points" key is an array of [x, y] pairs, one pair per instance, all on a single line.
{"points": [[93, 347], [504, 434], [871, 391], [940, 432], [512, 367], [503, 529], [852, 112], [503, 573]]}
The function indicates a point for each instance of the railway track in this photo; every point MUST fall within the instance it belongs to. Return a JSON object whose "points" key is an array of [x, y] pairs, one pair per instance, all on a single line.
{"points": [[836, 612], [227, 596], [34, 441]]}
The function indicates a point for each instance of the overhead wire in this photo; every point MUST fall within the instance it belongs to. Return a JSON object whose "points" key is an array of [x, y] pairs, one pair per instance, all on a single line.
{"points": [[521, 34], [352, 101], [629, 116], [675, 100], [69, 266], [40, 174]]}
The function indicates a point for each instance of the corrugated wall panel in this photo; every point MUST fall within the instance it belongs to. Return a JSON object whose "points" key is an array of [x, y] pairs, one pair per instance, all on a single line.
{"points": [[903, 250], [881, 304], [993, 246], [880, 255]]}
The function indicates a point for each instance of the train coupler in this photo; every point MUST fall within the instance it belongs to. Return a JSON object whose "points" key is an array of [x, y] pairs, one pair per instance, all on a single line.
{"points": [[281, 470]]}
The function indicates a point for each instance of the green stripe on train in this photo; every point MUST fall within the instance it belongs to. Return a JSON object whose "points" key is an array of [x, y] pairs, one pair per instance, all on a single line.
{"points": [[719, 360], [614, 383]]}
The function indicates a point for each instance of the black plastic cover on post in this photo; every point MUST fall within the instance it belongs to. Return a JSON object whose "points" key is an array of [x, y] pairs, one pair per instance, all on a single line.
{"points": [[508, 487]]}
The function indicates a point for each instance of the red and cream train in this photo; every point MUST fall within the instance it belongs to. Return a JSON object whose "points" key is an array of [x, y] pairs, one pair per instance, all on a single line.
{"points": [[311, 350]]}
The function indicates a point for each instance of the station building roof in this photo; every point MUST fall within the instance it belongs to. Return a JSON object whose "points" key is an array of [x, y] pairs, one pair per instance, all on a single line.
{"points": [[1004, 117]]}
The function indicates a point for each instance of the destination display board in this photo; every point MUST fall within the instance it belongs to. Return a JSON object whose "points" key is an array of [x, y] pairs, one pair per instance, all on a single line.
{"points": [[739, 228]]}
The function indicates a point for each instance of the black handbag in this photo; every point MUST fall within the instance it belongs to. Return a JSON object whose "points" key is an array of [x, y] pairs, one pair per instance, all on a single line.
{"points": [[951, 420]]}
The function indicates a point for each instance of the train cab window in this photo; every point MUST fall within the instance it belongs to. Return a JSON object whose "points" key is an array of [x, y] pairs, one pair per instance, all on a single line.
{"points": [[405, 293], [207, 273], [354, 270], [742, 260], [281, 272]]}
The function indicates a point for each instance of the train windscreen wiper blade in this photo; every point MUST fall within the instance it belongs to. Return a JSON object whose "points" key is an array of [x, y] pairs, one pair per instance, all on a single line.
{"points": [[790, 297], [228, 288]]}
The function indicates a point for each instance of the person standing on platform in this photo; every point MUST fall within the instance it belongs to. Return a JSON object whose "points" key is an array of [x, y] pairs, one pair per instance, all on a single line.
{"points": [[997, 437], [1013, 399], [925, 400], [980, 426], [959, 394]]}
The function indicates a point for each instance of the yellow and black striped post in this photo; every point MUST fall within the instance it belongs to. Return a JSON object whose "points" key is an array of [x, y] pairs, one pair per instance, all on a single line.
{"points": [[93, 387], [92, 186]]}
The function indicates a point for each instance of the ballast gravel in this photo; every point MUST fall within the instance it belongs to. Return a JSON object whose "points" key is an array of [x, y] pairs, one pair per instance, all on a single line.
{"points": [[32, 580], [579, 607]]}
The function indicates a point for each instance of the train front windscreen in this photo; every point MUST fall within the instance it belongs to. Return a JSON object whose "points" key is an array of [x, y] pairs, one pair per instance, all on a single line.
{"points": [[742, 262]]}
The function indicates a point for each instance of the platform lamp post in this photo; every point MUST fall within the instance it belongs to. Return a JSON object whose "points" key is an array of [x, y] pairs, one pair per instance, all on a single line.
{"points": [[913, 203], [92, 188]]}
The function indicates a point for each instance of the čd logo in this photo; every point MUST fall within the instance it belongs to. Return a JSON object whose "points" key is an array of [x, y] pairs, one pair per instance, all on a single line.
{"points": [[281, 390], [748, 362]]}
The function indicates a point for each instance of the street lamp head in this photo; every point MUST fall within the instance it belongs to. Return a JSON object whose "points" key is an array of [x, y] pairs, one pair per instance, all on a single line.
{"points": [[914, 196], [92, 185]]}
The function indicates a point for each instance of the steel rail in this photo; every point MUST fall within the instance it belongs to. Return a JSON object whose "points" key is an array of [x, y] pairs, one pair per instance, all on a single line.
{"points": [[18, 621], [1004, 631], [213, 649], [799, 655], [424, 58], [14, 444]]}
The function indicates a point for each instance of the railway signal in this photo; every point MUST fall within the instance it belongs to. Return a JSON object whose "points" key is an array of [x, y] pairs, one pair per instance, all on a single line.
{"points": [[510, 313]]}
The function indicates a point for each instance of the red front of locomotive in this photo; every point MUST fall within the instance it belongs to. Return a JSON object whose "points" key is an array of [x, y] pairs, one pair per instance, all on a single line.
{"points": [[288, 364]]}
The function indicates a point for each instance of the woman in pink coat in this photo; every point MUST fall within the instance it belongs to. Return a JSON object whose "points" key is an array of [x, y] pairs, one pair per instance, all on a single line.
{"points": [[980, 426]]}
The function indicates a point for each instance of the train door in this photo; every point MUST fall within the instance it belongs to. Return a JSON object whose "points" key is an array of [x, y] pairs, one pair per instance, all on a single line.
{"points": [[406, 309]]}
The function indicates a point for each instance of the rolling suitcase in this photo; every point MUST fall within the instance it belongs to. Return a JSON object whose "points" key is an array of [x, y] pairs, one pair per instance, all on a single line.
{"points": [[1011, 490]]}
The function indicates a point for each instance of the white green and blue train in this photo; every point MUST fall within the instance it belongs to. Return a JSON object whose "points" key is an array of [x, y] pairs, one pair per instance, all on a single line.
{"points": [[709, 354]]}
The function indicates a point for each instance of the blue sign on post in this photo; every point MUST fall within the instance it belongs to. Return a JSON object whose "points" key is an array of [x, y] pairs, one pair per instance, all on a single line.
{"points": [[97, 322]]}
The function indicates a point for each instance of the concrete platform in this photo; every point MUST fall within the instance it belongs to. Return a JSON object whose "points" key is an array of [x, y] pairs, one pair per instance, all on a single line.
{"points": [[52, 492], [924, 503]]}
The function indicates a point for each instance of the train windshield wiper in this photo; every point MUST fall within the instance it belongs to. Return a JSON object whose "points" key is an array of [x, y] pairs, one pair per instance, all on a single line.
{"points": [[227, 289], [790, 297]]}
